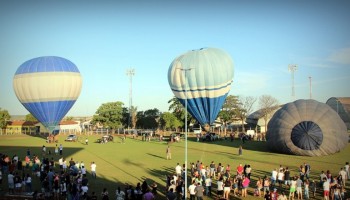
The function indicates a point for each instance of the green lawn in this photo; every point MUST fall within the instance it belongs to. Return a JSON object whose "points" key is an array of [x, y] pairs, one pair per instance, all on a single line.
{"points": [[136, 160]]}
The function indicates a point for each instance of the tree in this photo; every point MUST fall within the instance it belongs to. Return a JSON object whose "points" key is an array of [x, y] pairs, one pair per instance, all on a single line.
{"points": [[179, 111], [69, 118], [109, 115], [148, 119], [228, 110], [4, 117], [30, 118], [245, 107], [169, 121], [267, 105]]}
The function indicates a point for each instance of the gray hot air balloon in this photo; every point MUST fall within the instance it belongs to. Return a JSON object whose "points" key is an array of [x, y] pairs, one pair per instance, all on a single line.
{"points": [[307, 128]]}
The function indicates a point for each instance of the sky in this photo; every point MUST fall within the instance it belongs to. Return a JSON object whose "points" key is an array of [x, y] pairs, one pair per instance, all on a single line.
{"points": [[106, 38]]}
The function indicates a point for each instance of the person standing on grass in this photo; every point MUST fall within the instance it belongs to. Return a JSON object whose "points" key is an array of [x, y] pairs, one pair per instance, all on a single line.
{"points": [[227, 188], [306, 189], [342, 173], [208, 183], [199, 191], [61, 149], [191, 190], [168, 153], [326, 187], [240, 150], [259, 186], [287, 177], [292, 189], [266, 185], [313, 186], [93, 169], [220, 189], [346, 167], [245, 185], [299, 188], [56, 150]]}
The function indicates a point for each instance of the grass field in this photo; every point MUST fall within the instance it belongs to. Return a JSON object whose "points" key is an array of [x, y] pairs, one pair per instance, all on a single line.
{"points": [[136, 160]]}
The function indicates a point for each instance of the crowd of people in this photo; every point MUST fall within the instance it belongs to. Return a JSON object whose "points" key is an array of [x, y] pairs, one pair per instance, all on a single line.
{"points": [[279, 185], [69, 180]]}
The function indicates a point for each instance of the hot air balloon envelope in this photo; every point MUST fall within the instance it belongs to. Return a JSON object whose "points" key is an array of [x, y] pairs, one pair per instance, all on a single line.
{"points": [[204, 78], [47, 87], [306, 127]]}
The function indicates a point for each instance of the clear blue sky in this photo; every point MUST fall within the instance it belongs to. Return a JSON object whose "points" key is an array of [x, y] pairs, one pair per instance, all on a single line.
{"points": [[105, 38]]}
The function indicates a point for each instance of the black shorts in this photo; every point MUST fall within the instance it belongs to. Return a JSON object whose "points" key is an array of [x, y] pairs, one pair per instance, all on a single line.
{"points": [[220, 192]]}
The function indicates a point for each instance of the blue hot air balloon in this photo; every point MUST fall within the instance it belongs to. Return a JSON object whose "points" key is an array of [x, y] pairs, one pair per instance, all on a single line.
{"points": [[47, 87], [207, 76]]}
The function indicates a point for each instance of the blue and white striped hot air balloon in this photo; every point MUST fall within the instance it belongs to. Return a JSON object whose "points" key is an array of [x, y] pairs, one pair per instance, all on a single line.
{"points": [[47, 87], [209, 75]]}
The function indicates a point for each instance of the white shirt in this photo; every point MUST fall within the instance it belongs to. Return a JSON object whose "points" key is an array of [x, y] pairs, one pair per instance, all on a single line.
{"points": [[29, 179], [84, 189], [342, 173], [93, 167], [326, 185], [274, 175], [220, 185], [191, 189], [178, 169], [280, 175], [60, 161], [208, 182]]}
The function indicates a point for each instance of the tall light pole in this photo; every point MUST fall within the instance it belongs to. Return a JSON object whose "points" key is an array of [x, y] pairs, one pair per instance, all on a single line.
{"points": [[185, 71], [130, 72], [310, 79], [292, 69]]}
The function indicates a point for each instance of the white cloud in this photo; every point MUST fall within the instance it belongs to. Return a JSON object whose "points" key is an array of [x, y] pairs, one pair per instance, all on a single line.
{"points": [[340, 56]]}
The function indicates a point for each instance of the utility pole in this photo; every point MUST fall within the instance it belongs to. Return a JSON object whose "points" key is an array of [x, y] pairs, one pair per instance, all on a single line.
{"points": [[130, 72], [185, 70], [310, 79], [292, 68]]}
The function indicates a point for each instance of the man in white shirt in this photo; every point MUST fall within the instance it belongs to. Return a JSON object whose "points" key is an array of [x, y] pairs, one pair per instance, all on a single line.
{"points": [[178, 169], [93, 169], [60, 162], [273, 177], [191, 190], [342, 173]]}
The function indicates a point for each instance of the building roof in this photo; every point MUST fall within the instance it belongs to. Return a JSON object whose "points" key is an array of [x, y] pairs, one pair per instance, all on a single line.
{"points": [[20, 123], [69, 122]]}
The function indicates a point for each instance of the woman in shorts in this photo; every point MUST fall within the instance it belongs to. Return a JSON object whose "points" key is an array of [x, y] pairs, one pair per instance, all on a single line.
{"points": [[245, 185], [220, 184], [259, 186], [227, 188], [292, 189]]}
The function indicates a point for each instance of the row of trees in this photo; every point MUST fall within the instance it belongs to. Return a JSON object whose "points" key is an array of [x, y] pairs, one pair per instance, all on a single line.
{"points": [[115, 115], [236, 108]]}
